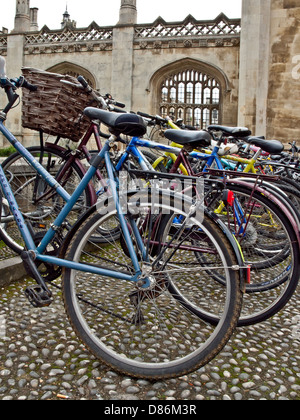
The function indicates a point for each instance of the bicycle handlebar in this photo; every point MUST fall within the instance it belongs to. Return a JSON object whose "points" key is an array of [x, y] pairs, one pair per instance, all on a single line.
{"points": [[108, 98], [156, 119], [23, 83], [84, 83], [106, 102], [11, 85]]}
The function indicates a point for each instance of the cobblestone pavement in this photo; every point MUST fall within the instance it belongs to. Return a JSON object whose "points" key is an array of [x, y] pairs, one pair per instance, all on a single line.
{"points": [[5, 252], [41, 359]]}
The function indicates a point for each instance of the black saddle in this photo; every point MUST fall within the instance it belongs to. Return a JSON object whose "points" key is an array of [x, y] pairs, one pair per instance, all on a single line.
{"points": [[189, 138], [231, 131], [129, 124], [274, 147], [281, 156]]}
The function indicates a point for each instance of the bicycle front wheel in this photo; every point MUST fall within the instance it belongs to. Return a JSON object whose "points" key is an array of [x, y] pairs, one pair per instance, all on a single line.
{"points": [[150, 333]]}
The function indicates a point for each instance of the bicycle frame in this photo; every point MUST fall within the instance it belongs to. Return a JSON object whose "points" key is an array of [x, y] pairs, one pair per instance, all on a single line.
{"points": [[132, 148], [75, 157], [210, 157], [250, 168], [181, 154], [70, 202], [250, 163]]}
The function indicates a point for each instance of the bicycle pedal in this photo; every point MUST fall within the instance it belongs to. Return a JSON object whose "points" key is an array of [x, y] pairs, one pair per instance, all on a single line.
{"points": [[38, 297]]}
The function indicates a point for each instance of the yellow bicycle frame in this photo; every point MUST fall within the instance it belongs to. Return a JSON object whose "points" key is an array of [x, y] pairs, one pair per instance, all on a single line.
{"points": [[172, 125]]}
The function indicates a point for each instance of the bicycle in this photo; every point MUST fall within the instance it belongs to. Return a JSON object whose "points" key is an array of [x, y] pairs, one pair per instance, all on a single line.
{"points": [[123, 298], [271, 265], [176, 161]]}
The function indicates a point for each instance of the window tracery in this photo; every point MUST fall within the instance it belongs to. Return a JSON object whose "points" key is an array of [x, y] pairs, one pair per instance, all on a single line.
{"points": [[191, 95]]}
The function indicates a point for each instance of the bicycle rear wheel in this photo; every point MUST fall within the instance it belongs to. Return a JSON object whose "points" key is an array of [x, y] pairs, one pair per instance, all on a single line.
{"points": [[149, 333]]}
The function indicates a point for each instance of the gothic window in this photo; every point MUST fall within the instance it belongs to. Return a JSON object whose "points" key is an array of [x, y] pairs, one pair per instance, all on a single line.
{"points": [[75, 71], [191, 95]]}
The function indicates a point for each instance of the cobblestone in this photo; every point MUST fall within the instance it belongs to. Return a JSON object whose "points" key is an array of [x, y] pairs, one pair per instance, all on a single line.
{"points": [[41, 359], [6, 252]]}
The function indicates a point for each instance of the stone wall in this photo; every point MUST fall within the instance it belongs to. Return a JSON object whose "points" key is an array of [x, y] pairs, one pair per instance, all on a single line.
{"points": [[124, 59], [283, 106], [269, 88]]}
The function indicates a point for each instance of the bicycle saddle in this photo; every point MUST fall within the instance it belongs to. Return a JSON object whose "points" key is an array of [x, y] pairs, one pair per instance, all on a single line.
{"points": [[231, 131], [129, 124], [274, 147], [281, 156], [189, 138]]}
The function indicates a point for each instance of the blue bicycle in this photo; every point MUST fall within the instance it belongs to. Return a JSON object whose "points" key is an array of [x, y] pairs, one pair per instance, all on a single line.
{"points": [[130, 278]]}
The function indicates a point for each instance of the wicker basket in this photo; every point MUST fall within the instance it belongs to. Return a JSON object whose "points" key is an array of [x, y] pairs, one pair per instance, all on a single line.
{"points": [[55, 108]]}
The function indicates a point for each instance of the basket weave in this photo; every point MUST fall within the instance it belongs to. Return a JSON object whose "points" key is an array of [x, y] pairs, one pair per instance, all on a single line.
{"points": [[55, 108]]}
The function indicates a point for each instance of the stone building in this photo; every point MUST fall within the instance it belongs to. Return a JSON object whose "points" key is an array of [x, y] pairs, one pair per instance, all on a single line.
{"points": [[228, 71]]}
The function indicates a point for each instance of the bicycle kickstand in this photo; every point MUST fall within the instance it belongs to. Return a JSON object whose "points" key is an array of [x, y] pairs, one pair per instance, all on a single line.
{"points": [[39, 296]]}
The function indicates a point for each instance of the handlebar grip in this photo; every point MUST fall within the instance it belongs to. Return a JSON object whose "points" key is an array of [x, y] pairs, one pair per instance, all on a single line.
{"points": [[113, 102], [143, 114], [83, 82], [119, 110], [29, 86], [119, 104]]}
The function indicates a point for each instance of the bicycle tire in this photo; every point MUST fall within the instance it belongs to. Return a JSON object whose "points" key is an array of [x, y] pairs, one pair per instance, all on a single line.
{"points": [[141, 350]]}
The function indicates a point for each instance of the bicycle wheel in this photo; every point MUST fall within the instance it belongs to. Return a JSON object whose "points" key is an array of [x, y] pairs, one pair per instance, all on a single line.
{"points": [[38, 202], [149, 333], [270, 247]]}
